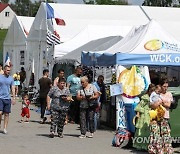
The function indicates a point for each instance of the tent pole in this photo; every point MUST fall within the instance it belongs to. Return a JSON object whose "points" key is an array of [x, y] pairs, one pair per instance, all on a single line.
{"points": [[93, 73], [94, 63]]}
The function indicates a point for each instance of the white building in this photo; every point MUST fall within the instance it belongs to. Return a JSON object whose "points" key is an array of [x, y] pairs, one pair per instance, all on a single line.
{"points": [[6, 15]]}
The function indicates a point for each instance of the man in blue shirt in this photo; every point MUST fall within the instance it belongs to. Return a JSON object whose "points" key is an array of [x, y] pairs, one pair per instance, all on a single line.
{"points": [[73, 83], [6, 85]]}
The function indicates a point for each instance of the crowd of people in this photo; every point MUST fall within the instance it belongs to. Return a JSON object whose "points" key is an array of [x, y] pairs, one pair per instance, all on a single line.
{"points": [[76, 100], [67, 100]]}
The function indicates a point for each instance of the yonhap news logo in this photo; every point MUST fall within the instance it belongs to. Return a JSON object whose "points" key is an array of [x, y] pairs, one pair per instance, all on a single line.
{"points": [[160, 140]]}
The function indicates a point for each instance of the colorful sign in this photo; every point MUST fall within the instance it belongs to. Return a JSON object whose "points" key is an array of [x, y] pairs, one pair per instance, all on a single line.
{"points": [[132, 81], [120, 112], [156, 44]]}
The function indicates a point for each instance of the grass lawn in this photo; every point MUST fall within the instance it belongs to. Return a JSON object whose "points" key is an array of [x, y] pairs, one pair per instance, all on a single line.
{"points": [[2, 37]]}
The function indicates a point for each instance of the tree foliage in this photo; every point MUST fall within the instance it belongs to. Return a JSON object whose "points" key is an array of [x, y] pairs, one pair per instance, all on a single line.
{"points": [[26, 7], [4, 1], [107, 2], [161, 3]]}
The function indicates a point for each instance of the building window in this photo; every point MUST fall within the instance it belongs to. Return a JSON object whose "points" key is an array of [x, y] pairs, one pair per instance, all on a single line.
{"points": [[21, 57], [6, 14]]}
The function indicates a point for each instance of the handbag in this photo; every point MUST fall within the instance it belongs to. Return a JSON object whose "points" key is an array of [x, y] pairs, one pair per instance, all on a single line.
{"points": [[93, 103], [174, 103]]}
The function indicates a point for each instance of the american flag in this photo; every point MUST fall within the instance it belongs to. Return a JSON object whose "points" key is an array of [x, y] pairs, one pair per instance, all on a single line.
{"points": [[53, 38]]}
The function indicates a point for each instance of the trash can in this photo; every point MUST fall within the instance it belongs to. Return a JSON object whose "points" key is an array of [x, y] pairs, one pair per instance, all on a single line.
{"points": [[175, 113], [130, 113], [175, 120]]}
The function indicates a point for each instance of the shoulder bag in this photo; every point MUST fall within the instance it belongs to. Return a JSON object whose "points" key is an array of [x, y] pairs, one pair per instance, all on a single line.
{"points": [[92, 103]]}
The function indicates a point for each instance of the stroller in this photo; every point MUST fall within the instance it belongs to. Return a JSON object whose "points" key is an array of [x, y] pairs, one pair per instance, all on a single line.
{"points": [[33, 94]]}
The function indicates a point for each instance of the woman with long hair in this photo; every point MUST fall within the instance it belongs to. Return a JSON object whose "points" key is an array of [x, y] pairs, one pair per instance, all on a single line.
{"points": [[160, 138]]}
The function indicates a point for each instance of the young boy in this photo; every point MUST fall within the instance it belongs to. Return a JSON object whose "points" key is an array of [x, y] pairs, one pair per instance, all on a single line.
{"points": [[25, 109]]}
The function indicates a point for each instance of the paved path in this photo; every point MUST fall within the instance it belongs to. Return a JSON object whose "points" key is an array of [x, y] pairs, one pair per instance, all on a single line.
{"points": [[32, 138]]}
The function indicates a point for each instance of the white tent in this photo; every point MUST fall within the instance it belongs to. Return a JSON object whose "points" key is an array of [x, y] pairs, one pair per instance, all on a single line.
{"points": [[95, 45], [167, 17], [90, 33], [36, 44], [136, 39], [15, 42], [147, 45], [76, 17], [79, 16]]}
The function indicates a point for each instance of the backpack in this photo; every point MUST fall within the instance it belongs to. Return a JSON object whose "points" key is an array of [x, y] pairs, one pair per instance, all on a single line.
{"points": [[121, 137]]}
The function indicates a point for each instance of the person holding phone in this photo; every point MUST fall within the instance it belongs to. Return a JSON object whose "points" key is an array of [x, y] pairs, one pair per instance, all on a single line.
{"points": [[59, 107]]}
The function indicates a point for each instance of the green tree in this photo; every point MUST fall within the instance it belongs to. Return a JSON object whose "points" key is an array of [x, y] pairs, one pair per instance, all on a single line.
{"points": [[27, 7], [34, 8], [107, 2], [161, 3], [3, 33], [22, 7], [4, 1]]}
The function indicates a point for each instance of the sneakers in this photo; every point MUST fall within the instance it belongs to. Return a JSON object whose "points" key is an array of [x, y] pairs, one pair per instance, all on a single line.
{"points": [[82, 136], [51, 135], [5, 131], [60, 136], [43, 120], [91, 135], [21, 121]]}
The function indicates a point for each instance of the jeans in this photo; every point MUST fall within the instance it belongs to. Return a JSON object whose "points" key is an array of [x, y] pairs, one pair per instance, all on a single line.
{"points": [[74, 111], [96, 120], [86, 115], [43, 106]]}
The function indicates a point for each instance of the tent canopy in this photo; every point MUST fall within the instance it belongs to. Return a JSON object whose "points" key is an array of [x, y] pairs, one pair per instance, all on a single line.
{"points": [[77, 17], [166, 17], [95, 45], [18, 30], [146, 45], [90, 33]]}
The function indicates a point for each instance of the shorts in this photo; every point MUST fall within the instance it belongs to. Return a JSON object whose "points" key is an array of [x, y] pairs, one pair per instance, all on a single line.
{"points": [[17, 83], [5, 105], [25, 112]]}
